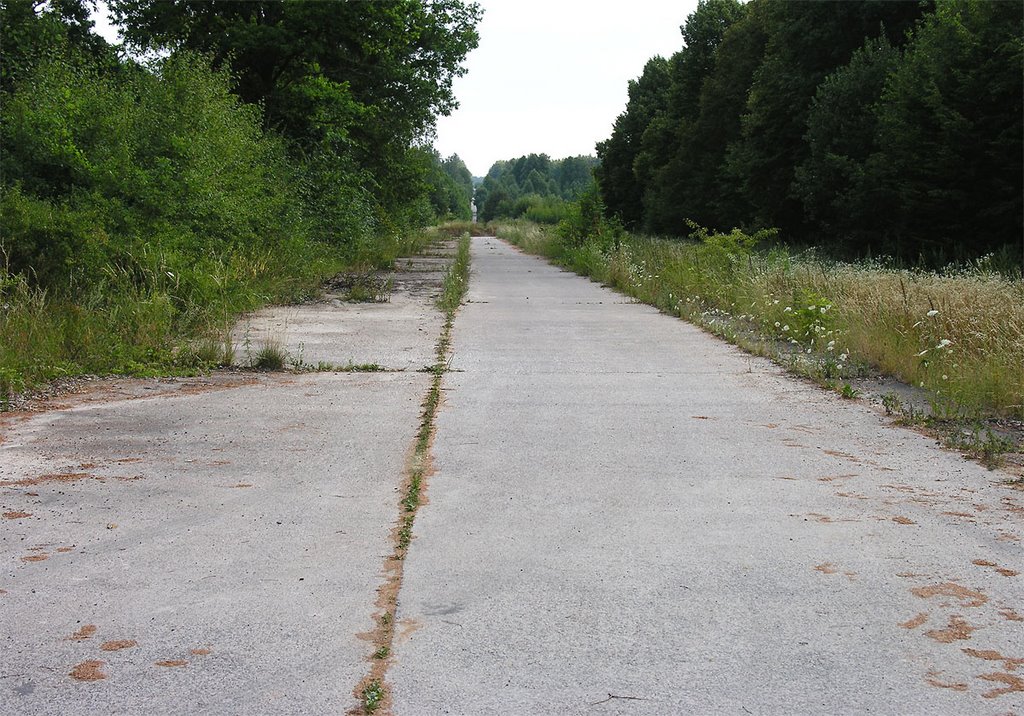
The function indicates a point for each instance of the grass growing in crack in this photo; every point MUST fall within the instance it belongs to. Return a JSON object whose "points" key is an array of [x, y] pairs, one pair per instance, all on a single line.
{"points": [[454, 287], [300, 366], [373, 689], [270, 356], [373, 696]]}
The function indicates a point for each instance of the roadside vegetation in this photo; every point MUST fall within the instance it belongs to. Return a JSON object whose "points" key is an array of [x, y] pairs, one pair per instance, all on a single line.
{"points": [[145, 205]]}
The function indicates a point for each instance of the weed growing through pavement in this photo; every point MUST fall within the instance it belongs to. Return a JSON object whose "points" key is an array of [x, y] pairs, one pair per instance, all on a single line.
{"points": [[373, 696], [374, 691], [270, 356]]}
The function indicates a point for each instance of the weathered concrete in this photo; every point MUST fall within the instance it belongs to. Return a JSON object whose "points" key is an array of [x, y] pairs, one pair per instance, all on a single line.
{"points": [[228, 533], [625, 506]]}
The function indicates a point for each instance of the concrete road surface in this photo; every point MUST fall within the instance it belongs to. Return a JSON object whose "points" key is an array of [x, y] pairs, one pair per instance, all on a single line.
{"points": [[631, 517]]}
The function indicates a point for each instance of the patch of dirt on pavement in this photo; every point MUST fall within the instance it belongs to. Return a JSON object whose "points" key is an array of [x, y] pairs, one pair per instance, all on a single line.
{"points": [[85, 632], [826, 568], [1014, 684], [957, 630], [203, 651], [932, 679], [61, 477], [1009, 663], [118, 644], [35, 557], [91, 670], [1010, 615], [16, 515], [172, 662], [900, 519], [915, 622], [1002, 570], [968, 597]]}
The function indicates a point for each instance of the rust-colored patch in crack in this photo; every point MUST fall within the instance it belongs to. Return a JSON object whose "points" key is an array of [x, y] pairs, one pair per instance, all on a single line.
{"points": [[171, 662], [826, 568], [16, 515], [700, 417], [1009, 663], [65, 477], [1001, 570], [852, 495], [901, 520], [1010, 615], [41, 557], [202, 651], [91, 670], [118, 644], [85, 632], [825, 519], [829, 478], [844, 455], [956, 630], [932, 680], [1014, 684], [915, 622], [65, 550], [968, 597], [241, 484]]}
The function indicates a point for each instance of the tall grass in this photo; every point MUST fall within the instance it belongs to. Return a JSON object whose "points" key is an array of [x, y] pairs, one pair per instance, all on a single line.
{"points": [[958, 333]]}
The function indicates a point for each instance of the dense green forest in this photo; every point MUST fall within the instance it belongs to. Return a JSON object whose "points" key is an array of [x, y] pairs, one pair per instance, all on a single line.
{"points": [[268, 145], [876, 127], [533, 187]]}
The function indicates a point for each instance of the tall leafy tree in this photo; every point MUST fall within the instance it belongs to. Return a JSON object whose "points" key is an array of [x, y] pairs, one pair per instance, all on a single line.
{"points": [[806, 42], [369, 78], [667, 201], [621, 189], [950, 132], [844, 185]]}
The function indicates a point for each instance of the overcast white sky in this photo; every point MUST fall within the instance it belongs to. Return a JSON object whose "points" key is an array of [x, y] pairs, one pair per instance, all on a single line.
{"points": [[549, 76]]}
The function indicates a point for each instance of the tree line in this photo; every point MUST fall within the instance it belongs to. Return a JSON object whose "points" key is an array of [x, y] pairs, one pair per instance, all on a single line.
{"points": [[534, 187], [868, 127], [262, 131]]}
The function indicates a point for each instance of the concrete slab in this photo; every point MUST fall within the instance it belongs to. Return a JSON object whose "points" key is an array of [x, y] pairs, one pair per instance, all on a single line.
{"points": [[398, 334], [205, 552], [217, 552], [630, 516]]}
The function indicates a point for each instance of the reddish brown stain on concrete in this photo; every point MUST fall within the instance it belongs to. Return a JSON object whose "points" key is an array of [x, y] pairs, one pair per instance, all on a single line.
{"points": [[91, 670], [956, 630], [968, 597], [172, 662], [1014, 684], [16, 515], [118, 644], [1009, 663], [915, 622], [83, 633]]}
